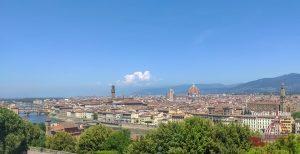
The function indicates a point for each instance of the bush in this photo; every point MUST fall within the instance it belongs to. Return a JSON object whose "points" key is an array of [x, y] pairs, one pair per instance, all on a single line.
{"points": [[94, 138], [194, 135], [61, 141], [118, 140], [106, 152], [296, 115], [287, 144]]}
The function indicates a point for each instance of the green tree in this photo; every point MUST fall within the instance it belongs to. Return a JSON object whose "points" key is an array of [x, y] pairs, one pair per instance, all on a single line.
{"points": [[118, 140], [42, 126], [61, 141], [194, 135], [37, 135], [94, 138], [288, 144], [106, 152], [142, 146], [232, 135], [177, 151], [14, 136], [296, 115]]}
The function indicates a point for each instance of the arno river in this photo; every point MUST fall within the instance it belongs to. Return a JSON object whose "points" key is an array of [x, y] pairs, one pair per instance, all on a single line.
{"points": [[34, 118]]}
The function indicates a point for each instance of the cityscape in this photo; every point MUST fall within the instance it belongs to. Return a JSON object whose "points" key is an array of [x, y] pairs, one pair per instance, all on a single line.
{"points": [[149, 77], [269, 115]]}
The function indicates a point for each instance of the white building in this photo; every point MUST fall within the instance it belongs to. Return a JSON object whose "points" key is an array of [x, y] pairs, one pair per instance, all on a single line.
{"points": [[297, 126], [170, 95], [79, 114], [257, 123], [70, 113], [38, 102], [89, 115]]}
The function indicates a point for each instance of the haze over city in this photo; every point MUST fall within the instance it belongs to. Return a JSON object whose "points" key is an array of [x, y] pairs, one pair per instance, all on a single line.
{"points": [[79, 48]]}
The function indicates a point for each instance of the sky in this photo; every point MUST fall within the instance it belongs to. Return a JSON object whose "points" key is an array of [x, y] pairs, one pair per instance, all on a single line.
{"points": [[78, 48]]}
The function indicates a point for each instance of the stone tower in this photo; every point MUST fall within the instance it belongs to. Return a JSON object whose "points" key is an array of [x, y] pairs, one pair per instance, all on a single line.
{"points": [[170, 95], [282, 98], [113, 92]]}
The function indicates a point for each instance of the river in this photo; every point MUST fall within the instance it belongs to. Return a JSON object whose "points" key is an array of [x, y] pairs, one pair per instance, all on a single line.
{"points": [[34, 118]]}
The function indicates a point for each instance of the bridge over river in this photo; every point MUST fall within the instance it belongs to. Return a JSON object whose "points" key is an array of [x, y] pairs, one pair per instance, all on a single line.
{"points": [[38, 111]]}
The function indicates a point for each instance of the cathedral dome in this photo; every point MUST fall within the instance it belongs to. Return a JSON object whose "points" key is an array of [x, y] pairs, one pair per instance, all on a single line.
{"points": [[193, 91]]}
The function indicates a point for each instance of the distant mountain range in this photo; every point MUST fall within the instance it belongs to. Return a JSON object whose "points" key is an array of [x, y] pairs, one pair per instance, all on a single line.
{"points": [[265, 85]]}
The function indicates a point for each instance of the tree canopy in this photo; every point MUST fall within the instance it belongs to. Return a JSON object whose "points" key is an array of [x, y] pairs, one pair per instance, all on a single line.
{"points": [[61, 141], [37, 135], [100, 138], [16, 134], [194, 135], [296, 115], [118, 140], [93, 138], [288, 144]]}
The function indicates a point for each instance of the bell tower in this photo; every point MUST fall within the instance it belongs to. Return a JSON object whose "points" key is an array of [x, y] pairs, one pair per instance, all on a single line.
{"points": [[113, 92], [282, 98]]}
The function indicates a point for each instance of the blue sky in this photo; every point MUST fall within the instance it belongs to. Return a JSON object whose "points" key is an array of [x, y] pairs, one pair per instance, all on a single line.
{"points": [[69, 48]]}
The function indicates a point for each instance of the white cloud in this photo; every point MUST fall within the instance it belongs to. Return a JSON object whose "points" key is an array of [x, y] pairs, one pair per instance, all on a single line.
{"points": [[137, 77]]}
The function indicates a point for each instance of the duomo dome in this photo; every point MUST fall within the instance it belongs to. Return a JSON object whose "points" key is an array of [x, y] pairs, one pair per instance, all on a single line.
{"points": [[193, 91]]}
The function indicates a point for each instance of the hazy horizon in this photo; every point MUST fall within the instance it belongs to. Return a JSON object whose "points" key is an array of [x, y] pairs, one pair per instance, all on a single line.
{"points": [[121, 90]]}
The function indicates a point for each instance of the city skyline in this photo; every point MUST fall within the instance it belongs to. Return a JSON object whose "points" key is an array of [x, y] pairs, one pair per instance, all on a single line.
{"points": [[66, 48]]}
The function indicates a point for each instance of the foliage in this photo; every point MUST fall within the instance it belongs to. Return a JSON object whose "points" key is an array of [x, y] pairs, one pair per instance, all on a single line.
{"points": [[194, 135], [143, 146], [256, 141], [61, 141], [12, 132], [106, 152], [118, 140], [265, 151], [234, 136], [289, 145], [15, 133], [177, 150], [42, 126], [37, 135], [94, 138], [296, 115]]}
